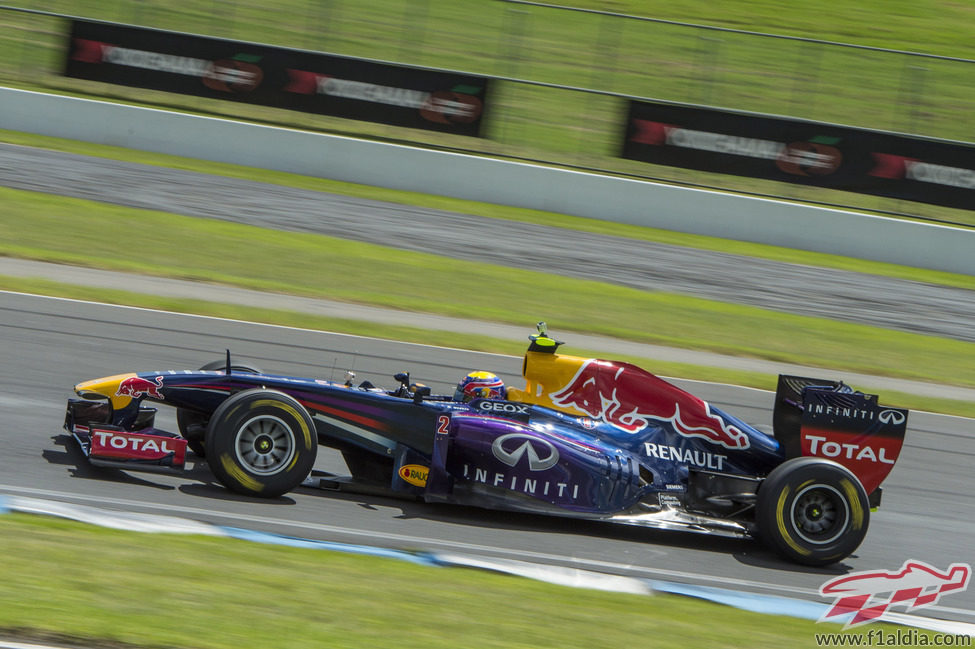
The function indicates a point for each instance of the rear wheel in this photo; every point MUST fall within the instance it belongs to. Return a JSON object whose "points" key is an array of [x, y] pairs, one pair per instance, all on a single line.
{"points": [[812, 511], [193, 425], [261, 443]]}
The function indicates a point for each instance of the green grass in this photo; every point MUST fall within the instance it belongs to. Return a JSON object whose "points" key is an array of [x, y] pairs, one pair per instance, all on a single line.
{"points": [[446, 339], [77, 583], [833, 84]]}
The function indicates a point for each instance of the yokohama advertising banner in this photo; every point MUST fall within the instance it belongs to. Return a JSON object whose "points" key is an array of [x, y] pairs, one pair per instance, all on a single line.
{"points": [[270, 76], [809, 153]]}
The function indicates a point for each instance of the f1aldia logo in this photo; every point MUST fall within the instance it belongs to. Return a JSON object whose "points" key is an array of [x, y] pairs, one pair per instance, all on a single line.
{"points": [[512, 452], [868, 594]]}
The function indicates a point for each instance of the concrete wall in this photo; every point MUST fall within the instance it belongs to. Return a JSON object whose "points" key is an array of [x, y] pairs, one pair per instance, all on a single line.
{"points": [[494, 181]]}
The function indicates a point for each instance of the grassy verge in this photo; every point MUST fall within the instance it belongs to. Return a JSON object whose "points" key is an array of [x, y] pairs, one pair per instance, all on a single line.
{"points": [[551, 219], [447, 339], [103, 587]]}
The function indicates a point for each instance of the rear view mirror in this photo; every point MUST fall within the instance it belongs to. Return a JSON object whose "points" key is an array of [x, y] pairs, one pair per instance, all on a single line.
{"points": [[420, 392]]}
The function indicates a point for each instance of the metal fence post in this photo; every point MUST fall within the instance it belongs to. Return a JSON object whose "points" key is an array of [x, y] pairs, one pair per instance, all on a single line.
{"points": [[605, 50], [137, 13], [806, 78], [911, 93], [415, 16], [24, 57], [218, 18], [320, 13], [707, 61], [513, 26]]}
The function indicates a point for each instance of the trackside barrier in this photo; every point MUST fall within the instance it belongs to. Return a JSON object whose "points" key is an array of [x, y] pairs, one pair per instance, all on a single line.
{"points": [[573, 577], [494, 181]]}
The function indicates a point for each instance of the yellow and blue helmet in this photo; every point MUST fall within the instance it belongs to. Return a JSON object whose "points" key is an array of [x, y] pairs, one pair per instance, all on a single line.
{"points": [[480, 385]]}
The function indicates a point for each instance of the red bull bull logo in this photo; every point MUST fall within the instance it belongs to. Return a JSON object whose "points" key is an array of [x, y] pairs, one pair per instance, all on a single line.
{"points": [[629, 398], [136, 386], [869, 594]]}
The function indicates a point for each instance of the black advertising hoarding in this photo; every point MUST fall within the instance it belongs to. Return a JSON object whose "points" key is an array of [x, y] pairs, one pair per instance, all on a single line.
{"points": [[271, 76], [808, 153]]}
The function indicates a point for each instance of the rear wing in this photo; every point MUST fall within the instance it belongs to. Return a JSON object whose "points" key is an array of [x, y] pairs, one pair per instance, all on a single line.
{"points": [[822, 418]]}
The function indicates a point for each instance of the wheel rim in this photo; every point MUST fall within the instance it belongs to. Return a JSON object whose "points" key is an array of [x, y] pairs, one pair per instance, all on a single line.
{"points": [[820, 514], [265, 444]]}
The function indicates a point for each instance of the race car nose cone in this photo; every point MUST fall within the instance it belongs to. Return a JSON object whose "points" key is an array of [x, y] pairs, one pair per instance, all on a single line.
{"points": [[106, 388]]}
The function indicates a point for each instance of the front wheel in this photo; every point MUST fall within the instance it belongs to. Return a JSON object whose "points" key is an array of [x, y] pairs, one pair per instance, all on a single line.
{"points": [[193, 425], [261, 443], [812, 511]]}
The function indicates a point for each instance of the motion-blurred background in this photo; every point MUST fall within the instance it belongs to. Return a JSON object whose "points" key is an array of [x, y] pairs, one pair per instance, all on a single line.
{"points": [[562, 79]]}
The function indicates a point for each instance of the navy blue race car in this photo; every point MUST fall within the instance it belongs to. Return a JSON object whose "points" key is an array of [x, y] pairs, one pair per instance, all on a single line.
{"points": [[585, 438]]}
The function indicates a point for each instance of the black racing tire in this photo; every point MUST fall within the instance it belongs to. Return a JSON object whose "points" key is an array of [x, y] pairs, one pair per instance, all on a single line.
{"points": [[261, 443], [198, 447], [234, 367], [812, 511], [190, 423]]}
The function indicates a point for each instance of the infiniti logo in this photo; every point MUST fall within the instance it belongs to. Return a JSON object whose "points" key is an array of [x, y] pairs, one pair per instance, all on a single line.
{"points": [[528, 446], [891, 417]]}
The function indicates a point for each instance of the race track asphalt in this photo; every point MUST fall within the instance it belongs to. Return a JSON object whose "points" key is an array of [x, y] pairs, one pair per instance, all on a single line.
{"points": [[50, 344]]}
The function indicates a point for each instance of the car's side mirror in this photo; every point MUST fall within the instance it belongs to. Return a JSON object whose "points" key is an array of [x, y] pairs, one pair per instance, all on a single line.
{"points": [[420, 392]]}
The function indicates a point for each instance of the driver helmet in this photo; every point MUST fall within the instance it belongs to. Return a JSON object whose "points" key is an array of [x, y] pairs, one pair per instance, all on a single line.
{"points": [[480, 385]]}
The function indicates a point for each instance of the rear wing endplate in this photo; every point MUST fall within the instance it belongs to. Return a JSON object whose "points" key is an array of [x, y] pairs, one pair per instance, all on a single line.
{"points": [[823, 418]]}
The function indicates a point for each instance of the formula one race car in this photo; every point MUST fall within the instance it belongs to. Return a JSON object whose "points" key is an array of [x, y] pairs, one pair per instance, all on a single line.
{"points": [[585, 438]]}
